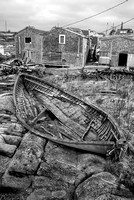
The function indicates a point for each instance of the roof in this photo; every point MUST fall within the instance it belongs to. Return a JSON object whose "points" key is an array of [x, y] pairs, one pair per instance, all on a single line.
{"points": [[38, 31], [85, 32], [112, 37], [76, 31]]}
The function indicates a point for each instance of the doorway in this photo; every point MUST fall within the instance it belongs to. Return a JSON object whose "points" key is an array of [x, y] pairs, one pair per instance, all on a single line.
{"points": [[122, 59]]}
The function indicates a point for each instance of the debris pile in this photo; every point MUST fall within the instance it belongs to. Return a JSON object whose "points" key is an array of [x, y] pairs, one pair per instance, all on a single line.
{"points": [[18, 66]]}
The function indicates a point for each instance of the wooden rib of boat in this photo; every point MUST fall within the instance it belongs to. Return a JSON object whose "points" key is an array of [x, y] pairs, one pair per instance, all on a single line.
{"points": [[56, 115]]}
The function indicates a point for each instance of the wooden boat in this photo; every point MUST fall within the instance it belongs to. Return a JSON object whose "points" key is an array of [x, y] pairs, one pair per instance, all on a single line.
{"points": [[56, 115]]}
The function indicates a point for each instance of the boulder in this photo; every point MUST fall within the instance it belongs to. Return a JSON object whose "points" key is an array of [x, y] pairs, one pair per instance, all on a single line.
{"points": [[41, 194], [11, 139], [7, 149], [16, 182], [13, 129], [60, 163], [88, 164], [48, 188], [4, 162], [6, 102], [101, 185], [28, 156]]}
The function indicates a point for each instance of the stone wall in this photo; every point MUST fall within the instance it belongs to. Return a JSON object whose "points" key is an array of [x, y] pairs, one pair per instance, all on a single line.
{"points": [[69, 53], [113, 46], [117, 44]]}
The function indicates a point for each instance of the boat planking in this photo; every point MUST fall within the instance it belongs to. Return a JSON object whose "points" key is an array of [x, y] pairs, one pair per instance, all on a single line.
{"points": [[54, 114]]}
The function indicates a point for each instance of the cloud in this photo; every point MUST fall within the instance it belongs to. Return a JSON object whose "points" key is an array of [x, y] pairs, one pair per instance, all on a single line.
{"points": [[44, 14]]}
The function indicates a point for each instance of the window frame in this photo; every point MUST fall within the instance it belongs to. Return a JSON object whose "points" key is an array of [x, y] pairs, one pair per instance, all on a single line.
{"points": [[64, 39], [28, 42]]}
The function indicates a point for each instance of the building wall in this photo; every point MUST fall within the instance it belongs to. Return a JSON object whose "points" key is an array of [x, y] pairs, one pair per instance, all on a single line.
{"points": [[130, 60], [113, 47], [33, 49], [69, 53]]}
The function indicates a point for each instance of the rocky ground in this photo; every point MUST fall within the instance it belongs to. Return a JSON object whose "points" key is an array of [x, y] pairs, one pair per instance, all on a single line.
{"points": [[32, 168]]}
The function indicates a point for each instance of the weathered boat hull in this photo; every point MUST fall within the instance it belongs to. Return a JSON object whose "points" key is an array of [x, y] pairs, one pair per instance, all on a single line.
{"points": [[72, 122], [98, 147]]}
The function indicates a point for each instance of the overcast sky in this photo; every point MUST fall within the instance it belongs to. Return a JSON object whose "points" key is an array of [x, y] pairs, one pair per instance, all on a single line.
{"points": [[44, 14]]}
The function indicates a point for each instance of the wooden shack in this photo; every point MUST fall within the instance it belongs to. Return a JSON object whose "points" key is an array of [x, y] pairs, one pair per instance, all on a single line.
{"points": [[117, 50], [65, 47], [58, 47], [29, 44]]}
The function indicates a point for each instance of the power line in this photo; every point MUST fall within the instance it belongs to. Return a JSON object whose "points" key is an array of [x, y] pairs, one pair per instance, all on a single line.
{"points": [[118, 25], [76, 22]]}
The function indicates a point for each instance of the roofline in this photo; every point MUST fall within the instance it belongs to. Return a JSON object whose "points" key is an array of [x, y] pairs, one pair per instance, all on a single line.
{"points": [[75, 33], [117, 36], [31, 28]]}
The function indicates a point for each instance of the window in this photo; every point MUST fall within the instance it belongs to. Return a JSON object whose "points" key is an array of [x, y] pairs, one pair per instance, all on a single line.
{"points": [[28, 40], [61, 39]]}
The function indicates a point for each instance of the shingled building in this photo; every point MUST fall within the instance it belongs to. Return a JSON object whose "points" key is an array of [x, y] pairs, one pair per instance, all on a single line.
{"points": [[57, 47], [117, 50]]}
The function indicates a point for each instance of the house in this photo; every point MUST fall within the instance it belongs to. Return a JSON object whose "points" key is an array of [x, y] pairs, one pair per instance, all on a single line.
{"points": [[57, 47], [124, 31], [65, 47], [117, 50], [29, 44]]}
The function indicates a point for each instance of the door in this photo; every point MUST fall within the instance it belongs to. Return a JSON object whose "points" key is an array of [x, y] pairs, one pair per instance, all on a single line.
{"points": [[27, 56], [122, 59]]}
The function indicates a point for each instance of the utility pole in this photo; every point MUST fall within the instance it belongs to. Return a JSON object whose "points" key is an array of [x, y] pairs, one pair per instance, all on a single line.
{"points": [[5, 25], [107, 28]]}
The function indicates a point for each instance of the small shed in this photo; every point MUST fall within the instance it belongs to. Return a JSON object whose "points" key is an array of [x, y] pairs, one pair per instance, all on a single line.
{"points": [[29, 44], [117, 50], [65, 47]]}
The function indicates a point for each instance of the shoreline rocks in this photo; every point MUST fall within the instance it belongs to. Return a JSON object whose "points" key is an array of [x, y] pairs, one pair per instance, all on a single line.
{"points": [[42, 170]]}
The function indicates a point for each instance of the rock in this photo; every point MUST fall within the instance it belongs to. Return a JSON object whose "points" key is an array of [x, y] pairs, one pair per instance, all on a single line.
{"points": [[46, 182], [11, 139], [28, 156], [98, 185], [2, 129], [6, 102], [4, 162], [41, 194], [1, 139], [60, 163], [86, 159], [13, 119], [7, 149], [14, 129], [58, 171], [55, 152], [5, 117], [111, 197], [88, 164], [11, 129], [20, 182], [47, 188]]}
